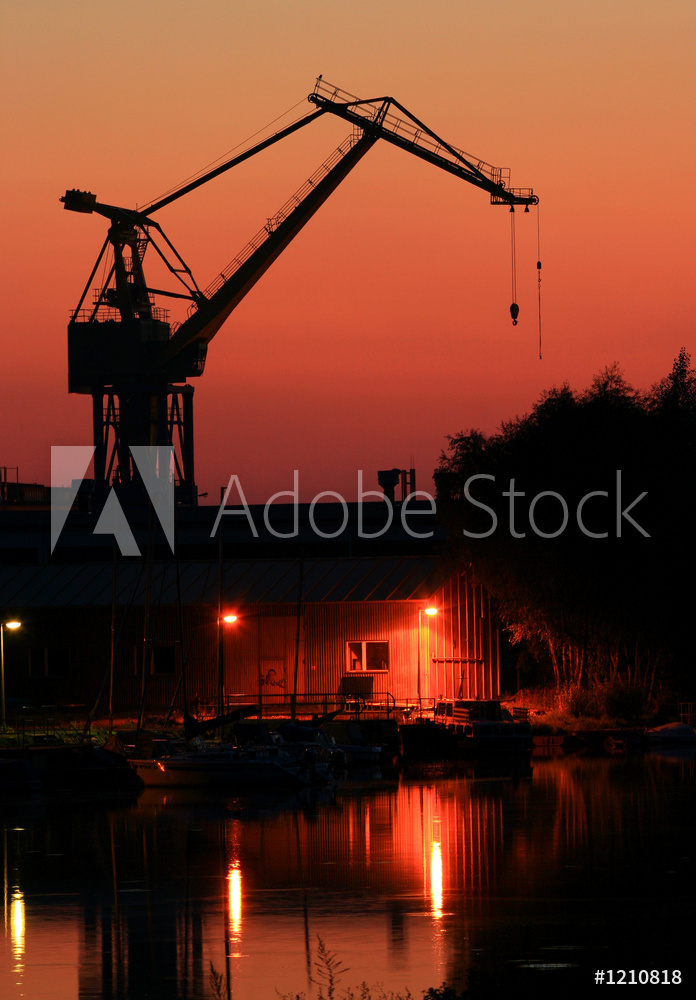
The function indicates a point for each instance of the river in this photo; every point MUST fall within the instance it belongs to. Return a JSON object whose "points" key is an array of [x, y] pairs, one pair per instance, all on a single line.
{"points": [[535, 880]]}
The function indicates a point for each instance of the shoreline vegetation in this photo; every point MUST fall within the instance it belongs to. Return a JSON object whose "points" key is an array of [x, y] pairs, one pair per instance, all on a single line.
{"points": [[610, 705], [329, 972], [481, 988]]}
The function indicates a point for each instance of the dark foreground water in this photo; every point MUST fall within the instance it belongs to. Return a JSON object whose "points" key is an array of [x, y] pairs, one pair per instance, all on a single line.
{"points": [[572, 866]]}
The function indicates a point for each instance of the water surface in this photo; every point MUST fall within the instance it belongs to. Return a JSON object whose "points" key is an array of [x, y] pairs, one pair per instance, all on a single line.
{"points": [[534, 880]]}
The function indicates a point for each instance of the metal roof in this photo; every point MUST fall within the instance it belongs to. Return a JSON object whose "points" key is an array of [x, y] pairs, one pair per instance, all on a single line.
{"points": [[245, 581]]}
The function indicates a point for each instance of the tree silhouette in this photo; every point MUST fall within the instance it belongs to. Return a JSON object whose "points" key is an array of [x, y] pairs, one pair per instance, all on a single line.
{"points": [[578, 518]]}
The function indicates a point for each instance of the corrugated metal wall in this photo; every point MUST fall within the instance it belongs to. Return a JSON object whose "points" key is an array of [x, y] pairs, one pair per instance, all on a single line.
{"points": [[329, 627], [430, 657], [260, 652], [461, 641]]}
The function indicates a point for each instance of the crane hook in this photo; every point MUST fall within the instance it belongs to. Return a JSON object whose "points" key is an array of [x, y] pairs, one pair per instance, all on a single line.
{"points": [[514, 308]]}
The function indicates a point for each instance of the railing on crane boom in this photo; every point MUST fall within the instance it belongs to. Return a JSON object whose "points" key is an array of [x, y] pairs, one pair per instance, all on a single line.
{"points": [[412, 135]]}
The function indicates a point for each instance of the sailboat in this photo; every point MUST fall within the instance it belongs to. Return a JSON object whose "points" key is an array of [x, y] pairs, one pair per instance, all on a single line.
{"points": [[234, 768]]}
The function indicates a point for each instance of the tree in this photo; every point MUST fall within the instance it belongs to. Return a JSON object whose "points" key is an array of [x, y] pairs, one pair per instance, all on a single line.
{"points": [[578, 519]]}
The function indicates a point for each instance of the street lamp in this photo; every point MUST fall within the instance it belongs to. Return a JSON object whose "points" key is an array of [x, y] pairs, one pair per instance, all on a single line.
{"points": [[228, 619], [429, 611], [3, 625]]}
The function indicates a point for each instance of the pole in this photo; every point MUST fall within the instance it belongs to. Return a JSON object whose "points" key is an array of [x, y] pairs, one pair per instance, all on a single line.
{"points": [[2, 675], [147, 636], [419, 657], [113, 641], [220, 636], [293, 702]]}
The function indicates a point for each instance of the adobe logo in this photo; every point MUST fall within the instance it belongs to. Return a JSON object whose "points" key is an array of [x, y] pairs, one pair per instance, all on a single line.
{"points": [[69, 464]]}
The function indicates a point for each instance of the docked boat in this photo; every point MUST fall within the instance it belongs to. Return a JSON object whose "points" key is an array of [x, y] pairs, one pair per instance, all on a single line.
{"points": [[231, 767], [673, 733], [464, 728], [341, 755], [297, 740]]}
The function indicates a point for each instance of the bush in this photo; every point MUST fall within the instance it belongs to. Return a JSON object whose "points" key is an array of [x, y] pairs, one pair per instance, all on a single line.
{"points": [[623, 701], [480, 986], [580, 701]]}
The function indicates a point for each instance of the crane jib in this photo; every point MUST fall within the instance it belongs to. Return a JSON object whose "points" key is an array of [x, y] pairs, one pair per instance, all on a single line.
{"points": [[411, 134]]}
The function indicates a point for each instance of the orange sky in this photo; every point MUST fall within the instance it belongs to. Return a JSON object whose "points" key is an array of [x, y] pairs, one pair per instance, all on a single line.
{"points": [[385, 325]]}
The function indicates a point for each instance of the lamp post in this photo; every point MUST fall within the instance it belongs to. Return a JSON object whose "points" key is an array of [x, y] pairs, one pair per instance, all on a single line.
{"points": [[228, 619], [222, 619], [429, 611], [3, 625]]}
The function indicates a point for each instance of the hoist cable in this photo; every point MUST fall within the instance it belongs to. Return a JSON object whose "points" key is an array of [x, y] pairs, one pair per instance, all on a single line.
{"points": [[224, 156], [514, 308], [514, 255], [539, 274]]}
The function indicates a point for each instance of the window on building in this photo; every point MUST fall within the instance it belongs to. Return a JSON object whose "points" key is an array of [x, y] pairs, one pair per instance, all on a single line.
{"points": [[163, 660], [367, 655]]}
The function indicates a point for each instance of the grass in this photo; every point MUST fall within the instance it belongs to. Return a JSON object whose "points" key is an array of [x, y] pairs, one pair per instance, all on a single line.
{"points": [[329, 972], [609, 705]]}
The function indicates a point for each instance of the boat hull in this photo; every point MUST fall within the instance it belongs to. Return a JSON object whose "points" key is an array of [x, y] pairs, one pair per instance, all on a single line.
{"points": [[432, 741], [221, 770]]}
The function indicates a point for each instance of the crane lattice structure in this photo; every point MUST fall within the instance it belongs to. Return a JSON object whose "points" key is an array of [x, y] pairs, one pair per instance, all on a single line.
{"points": [[122, 349]]}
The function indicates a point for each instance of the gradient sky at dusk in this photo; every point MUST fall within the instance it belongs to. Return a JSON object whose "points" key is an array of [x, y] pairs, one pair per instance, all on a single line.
{"points": [[385, 324]]}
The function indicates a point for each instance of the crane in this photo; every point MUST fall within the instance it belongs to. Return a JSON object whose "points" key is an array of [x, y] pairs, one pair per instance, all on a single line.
{"points": [[122, 349]]}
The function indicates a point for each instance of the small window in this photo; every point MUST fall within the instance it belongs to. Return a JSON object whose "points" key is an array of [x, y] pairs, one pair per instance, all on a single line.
{"points": [[367, 655]]}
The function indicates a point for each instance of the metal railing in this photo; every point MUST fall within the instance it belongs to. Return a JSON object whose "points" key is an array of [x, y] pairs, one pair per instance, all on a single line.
{"points": [[281, 215], [372, 112], [49, 725], [323, 703], [106, 313]]}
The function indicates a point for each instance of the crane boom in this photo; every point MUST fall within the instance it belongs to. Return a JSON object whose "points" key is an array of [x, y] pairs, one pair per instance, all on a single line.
{"points": [[229, 289], [375, 121]]}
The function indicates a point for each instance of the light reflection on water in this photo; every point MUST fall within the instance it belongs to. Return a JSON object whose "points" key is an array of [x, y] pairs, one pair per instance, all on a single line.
{"points": [[17, 924], [436, 879], [410, 883]]}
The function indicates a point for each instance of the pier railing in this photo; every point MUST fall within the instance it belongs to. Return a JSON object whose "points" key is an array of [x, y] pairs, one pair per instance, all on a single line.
{"points": [[49, 724], [308, 706]]}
